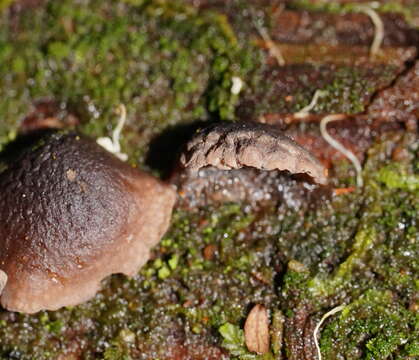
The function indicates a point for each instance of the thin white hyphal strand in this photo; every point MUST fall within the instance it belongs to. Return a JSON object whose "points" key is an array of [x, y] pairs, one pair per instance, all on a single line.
{"points": [[304, 112], [113, 145], [322, 320], [273, 48], [379, 28], [121, 122], [338, 146]]}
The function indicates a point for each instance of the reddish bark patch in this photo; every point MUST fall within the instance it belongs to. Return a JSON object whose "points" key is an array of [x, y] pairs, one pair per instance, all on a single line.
{"points": [[399, 102], [298, 334], [48, 115], [356, 133], [349, 29]]}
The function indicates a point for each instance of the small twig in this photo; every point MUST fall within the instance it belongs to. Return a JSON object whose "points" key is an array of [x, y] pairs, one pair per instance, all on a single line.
{"points": [[338, 146], [379, 28], [305, 111], [113, 145], [273, 48], [322, 320]]}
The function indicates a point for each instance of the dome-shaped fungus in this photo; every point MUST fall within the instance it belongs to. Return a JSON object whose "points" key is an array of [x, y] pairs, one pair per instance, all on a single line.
{"points": [[235, 145], [71, 214]]}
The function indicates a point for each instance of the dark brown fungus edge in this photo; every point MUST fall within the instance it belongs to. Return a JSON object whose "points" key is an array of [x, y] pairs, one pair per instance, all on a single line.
{"points": [[236, 145], [72, 214]]}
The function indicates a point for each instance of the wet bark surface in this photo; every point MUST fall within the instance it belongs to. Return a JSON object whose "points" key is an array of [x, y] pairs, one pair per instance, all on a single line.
{"points": [[234, 233], [348, 29], [399, 102]]}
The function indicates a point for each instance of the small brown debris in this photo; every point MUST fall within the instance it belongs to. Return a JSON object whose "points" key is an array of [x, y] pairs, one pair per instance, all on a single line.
{"points": [[296, 266], [202, 223], [414, 306], [188, 303], [69, 356], [71, 174], [343, 191], [209, 251], [256, 330], [260, 277], [47, 114], [400, 153]]}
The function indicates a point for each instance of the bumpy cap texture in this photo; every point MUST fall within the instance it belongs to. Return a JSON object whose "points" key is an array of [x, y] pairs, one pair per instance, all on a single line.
{"points": [[71, 214], [235, 145]]}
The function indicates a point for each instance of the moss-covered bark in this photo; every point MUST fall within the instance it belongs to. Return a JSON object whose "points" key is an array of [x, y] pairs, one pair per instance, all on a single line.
{"points": [[165, 61], [171, 64]]}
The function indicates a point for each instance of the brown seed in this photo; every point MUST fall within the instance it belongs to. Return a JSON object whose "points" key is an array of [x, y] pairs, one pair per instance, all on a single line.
{"points": [[400, 153], [413, 306], [256, 330]]}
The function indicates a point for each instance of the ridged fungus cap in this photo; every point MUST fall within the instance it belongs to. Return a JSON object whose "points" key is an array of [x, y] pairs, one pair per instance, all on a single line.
{"points": [[235, 145], [70, 215]]}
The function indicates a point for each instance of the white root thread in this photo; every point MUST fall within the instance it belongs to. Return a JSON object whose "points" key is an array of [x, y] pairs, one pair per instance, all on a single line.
{"points": [[322, 320], [113, 145], [379, 29], [305, 111], [338, 146], [273, 48]]}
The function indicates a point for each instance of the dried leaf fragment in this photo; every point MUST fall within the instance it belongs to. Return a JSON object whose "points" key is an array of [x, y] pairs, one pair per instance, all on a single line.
{"points": [[256, 330]]}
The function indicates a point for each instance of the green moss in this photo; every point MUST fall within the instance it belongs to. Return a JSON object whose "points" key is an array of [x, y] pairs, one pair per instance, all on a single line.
{"points": [[411, 349], [347, 89], [169, 64], [345, 93], [360, 241], [294, 282], [233, 341], [376, 323], [363, 241], [5, 4], [114, 352], [166, 62], [395, 177]]}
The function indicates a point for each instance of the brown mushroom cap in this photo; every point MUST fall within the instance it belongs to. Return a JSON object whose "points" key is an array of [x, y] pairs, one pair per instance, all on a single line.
{"points": [[70, 215], [236, 145]]}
